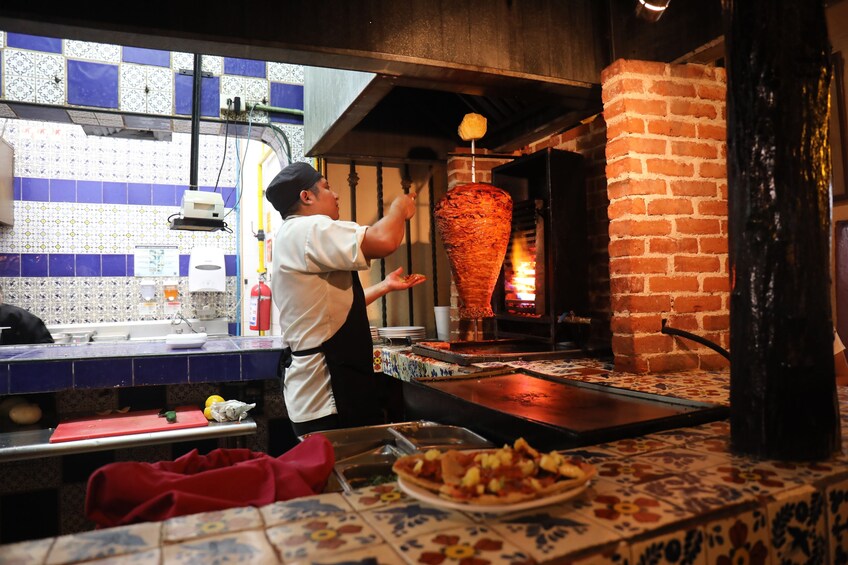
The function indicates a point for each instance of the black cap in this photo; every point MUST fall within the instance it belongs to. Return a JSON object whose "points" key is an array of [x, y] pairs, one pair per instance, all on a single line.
{"points": [[285, 189]]}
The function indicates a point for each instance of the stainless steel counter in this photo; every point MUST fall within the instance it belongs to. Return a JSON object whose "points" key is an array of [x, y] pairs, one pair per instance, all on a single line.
{"points": [[34, 444]]}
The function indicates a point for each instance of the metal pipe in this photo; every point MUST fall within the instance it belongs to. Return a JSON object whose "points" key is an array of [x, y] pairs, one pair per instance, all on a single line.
{"points": [[195, 120], [380, 216], [696, 338]]}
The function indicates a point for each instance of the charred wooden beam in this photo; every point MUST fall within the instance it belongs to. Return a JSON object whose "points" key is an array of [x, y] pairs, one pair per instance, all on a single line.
{"points": [[783, 393]]}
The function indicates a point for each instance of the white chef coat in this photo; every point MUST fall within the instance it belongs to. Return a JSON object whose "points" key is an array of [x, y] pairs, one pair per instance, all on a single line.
{"points": [[311, 285]]}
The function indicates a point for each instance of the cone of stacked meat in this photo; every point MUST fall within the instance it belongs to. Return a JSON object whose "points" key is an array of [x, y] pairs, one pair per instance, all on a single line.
{"points": [[474, 221]]}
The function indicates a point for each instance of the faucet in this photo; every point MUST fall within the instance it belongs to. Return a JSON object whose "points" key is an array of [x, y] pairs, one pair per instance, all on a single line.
{"points": [[176, 322]]}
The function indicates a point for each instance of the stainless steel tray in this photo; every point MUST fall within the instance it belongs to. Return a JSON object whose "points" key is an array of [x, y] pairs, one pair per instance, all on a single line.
{"points": [[368, 452]]}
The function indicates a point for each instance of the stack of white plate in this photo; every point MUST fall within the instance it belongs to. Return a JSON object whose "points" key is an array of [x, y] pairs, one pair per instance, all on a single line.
{"points": [[411, 333], [374, 335]]}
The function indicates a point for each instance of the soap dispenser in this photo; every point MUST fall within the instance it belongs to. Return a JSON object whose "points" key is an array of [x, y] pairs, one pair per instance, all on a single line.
{"points": [[206, 272]]}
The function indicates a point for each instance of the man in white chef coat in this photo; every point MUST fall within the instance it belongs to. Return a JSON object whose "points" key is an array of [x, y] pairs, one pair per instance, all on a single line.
{"points": [[329, 380]]}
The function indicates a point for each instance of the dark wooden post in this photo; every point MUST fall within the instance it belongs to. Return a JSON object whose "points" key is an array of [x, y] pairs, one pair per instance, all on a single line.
{"points": [[783, 394]]}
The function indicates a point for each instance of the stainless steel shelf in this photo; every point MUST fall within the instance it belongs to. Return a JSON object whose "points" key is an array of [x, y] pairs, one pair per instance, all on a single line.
{"points": [[35, 444]]}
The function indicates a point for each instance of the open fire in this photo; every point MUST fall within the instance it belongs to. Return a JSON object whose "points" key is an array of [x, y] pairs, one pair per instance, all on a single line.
{"points": [[520, 277]]}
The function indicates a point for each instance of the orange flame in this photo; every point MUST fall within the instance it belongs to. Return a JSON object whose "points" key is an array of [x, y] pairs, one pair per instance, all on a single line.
{"points": [[523, 270]]}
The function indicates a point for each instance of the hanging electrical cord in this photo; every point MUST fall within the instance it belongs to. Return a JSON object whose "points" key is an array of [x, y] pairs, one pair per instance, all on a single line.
{"points": [[239, 168], [224, 157]]}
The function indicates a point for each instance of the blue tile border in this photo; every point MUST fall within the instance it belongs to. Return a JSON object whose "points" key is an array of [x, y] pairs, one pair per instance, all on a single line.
{"points": [[244, 67], [214, 368], [92, 84], [144, 56], [40, 377], [160, 370], [97, 192], [103, 373], [84, 265], [33, 42], [4, 378]]}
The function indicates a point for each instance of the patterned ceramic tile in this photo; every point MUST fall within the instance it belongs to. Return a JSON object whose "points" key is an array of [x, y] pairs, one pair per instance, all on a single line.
{"points": [[690, 493], [244, 547], [152, 557], [92, 51], [284, 72], [749, 476], [406, 520], [552, 532], [593, 455], [744, 538], [627, 511], [680, 436], [477, 544], [798, 528], [836, 504], [684, 547], [301, 508], [105, 543], [719, 428], [710, 444], [217, 522], [809, 472], [312, 538], [683, 460], [630, 471], [25, 552], [635, 446], [618, 554], [381, 554], [375, 497]]}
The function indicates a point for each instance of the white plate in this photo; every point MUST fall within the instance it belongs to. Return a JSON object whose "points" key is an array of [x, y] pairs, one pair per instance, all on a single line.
{"points": [[434, 499]]}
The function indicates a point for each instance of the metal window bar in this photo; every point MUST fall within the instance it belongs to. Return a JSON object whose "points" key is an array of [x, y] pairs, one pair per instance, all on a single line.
{"points": [[405, 183], [379, 217], [352, 181]]}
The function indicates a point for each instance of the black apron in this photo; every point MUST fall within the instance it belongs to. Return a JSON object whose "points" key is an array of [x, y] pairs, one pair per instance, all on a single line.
{"points": [[349, 357]]}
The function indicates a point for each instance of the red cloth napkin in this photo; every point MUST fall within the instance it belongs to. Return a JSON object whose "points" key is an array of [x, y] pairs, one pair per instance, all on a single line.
{"points": [[130, 492]]}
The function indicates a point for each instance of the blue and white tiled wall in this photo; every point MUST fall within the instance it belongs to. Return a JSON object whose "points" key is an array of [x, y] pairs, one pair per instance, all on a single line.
{"points": [[83, 203], [53, 71]]}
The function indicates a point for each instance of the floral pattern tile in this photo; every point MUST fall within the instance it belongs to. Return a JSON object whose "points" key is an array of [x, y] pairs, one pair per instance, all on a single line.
{"points": [[684, 460], [151, 557], [798, 529], [627, 511], [110, 542], [684, 547], [680, 436], [750, 477], [547, 534], [381, 554], [300, 508], [477, 545], [635, 446], [592, 455], [211, 523], [25, 552], [405, 520], [375, 497], [689, 492], [630, 471], [616, 555], [311, 538], [836, 500], [743, 538], [243, 547]]}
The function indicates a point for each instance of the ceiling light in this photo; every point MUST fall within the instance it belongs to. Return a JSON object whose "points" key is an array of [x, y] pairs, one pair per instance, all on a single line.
{"points": [[651, 10]]}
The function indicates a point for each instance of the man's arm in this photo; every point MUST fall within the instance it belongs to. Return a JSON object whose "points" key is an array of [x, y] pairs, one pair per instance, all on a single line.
{"points": [[385, 236], [393, 281]]}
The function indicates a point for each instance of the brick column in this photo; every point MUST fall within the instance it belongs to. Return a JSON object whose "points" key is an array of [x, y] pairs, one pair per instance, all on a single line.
{"points": [[667, 188]]}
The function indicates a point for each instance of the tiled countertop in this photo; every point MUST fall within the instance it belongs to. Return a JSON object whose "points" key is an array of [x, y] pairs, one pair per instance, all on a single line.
{"points": [[49, 368], [672, 497]]}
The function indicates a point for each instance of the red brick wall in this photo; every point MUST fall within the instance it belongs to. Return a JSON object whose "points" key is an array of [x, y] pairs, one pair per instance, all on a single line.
{"points": [[667, 188]]}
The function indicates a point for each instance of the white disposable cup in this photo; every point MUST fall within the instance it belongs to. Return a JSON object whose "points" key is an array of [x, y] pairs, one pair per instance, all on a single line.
{"points": [[442, 322]]}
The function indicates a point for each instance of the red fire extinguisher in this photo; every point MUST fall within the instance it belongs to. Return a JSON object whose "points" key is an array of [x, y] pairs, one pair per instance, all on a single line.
{"points": [[260, 307]]}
